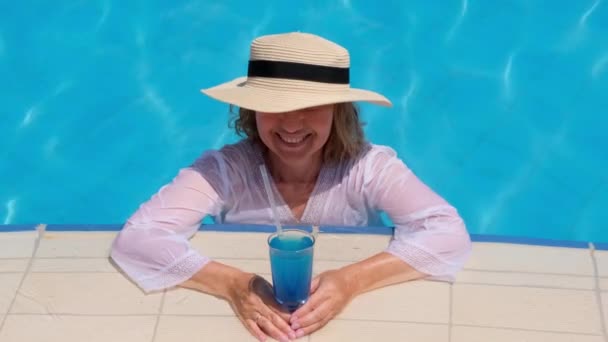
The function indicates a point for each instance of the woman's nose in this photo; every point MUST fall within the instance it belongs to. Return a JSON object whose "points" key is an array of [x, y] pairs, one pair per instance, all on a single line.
{"points": [[292, 121]]}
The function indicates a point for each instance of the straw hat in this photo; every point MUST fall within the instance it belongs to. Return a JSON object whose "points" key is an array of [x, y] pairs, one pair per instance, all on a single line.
{"points": [[292, 71]]}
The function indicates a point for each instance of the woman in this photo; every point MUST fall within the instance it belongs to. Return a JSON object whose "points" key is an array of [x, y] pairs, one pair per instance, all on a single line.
{"points": [[296, 110]]}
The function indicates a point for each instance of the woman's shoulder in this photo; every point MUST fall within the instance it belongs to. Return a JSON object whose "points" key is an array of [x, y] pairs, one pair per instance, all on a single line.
{"points": [[234, 155], [371, 160], [376, 161], [376, 153]]}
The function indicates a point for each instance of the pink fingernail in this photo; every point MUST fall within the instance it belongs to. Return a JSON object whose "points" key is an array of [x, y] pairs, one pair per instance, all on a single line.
{"points": [[300, 333], [292, 335], [295, 325]]}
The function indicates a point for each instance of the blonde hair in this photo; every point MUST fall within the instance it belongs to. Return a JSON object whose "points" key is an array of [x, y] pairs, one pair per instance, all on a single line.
{"points": [[346, 139]]}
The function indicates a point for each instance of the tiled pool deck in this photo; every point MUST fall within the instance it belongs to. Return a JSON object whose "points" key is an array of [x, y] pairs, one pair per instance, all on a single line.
{"points": [[60, 286]]}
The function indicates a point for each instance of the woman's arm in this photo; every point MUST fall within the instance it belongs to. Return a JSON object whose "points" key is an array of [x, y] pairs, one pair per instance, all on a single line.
{"points": [[429, 234], [250, 296], [153, 247], [430, 240], [377, 271]]}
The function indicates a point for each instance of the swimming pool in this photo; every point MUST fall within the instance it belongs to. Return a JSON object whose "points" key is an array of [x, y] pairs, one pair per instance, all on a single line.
{"points": [[497, 106]]}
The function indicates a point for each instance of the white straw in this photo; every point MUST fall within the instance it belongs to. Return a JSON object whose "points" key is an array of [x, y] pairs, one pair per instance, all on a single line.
{"points": [[275, 216]]}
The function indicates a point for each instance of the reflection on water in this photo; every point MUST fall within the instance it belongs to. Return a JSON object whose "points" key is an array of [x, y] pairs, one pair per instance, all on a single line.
{"points": [[499, 107]]}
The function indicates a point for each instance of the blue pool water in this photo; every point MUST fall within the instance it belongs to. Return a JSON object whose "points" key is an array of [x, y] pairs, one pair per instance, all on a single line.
{"points": [[499, 106]]}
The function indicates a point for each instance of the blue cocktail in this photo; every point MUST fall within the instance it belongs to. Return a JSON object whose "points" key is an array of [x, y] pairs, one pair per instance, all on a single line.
{"points": [[291, 255]]}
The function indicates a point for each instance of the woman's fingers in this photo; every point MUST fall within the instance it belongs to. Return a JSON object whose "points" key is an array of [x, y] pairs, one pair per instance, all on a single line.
{"points": [[311, 328], [252, 327], [269, 326], [312, 317], [314, 285], [282, 322], [313, 302], [255, 330], [260, 313]]}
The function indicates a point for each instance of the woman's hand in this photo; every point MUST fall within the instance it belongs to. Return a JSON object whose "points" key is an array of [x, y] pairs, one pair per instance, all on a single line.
{"points": [[331, 291], [252, 300]]}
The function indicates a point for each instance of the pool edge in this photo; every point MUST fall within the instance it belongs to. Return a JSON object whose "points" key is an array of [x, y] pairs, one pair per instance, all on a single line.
{"points": [[256, 228]]}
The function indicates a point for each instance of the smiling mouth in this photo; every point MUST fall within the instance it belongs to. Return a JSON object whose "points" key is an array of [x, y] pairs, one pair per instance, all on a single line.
{"points": [[293, 141]]}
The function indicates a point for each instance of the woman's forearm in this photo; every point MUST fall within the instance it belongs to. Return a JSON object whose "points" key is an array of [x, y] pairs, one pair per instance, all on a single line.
{"points": [[380, 270], [217, 279]]}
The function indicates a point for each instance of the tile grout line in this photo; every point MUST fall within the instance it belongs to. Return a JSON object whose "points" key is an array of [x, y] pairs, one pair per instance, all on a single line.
{"points": [[527, 329], [450, 313], [160, 312], [343, 320], [489, 270], [341, 260], [598, 291], [544, 287], [40, 230], [268, 274]]}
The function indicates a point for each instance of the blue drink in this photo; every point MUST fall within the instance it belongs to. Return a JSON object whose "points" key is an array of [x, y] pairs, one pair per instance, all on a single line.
{"points": [[291, 257]]}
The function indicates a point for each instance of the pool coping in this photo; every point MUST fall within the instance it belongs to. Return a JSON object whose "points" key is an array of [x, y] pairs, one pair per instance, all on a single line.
{"points": [[369, 230]]}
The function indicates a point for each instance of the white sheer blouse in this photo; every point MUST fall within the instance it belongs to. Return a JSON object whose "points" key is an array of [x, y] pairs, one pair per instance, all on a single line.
{"points": [[153, 247]]}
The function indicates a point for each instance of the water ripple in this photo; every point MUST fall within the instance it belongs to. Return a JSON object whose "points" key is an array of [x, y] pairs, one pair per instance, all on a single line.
{"points": [[105, 12], [10, 210], [51, 146], [588, 12], [578, 34], [506, 76], [34, 111], [29, 116], [463, 12], [599, 65], [405, 99], [518, 183], [2, 45], [261, 26]]}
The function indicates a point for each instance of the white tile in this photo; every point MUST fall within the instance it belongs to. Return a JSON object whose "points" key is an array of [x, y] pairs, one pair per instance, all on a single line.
{"points": [[75, 244], [604, 284], [526, 258], [601, 257], [247, 245], [37, 328], [9, 282], [320, 266], [557, 310], [475, 334], [83, 293], [258, 266], [242, 245], [13, 265], [526, 279], [416, 301], [72, 265], [604, 300], [17, 244], [192, 302], [349, 247], [364, 331], [201, 328], [181, 301]]}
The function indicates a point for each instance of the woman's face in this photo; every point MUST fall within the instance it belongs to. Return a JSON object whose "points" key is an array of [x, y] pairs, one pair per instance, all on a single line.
{"points": [[297, 136]]}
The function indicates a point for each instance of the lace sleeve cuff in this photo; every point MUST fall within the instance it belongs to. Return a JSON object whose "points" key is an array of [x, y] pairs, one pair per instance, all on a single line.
{"points": [[176, 273], [424, 261]]}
